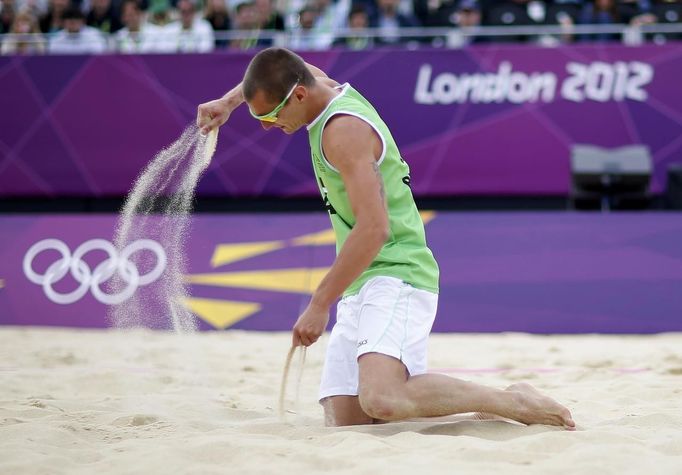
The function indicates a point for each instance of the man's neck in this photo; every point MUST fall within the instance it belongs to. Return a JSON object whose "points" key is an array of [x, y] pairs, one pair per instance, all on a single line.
{"points": [[320, 95]]}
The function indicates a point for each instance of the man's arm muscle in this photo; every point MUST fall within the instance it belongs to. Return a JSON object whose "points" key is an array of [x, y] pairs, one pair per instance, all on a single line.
{"points": [[353, 147]]}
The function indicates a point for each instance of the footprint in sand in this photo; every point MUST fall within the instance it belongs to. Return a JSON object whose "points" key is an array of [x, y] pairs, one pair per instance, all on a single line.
{"points": [[37, 403], [598, 364], [8, 421], [673, 359], [67, 359], [135, 421]]}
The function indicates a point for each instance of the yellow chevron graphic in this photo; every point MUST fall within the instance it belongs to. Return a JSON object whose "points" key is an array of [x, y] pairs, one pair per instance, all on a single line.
{"points": [[322, 238], [225, 313], [227, 253], [221, 313], [327, 237], [282, 280], [427, 216]]}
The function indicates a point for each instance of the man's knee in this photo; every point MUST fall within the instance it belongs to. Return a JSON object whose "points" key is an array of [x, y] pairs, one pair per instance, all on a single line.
{"points": [[381, 405], [382, 387]]}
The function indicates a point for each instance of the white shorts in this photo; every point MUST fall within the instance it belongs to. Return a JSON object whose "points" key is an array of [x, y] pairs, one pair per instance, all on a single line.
{"points": [[387, 316]]}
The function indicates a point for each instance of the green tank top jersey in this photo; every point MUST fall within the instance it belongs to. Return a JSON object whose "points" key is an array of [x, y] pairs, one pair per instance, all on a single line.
{"points": [[405, 254]]}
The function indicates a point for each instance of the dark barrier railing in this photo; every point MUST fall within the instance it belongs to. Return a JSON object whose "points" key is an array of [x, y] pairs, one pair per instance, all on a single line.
{"points": [[546, 35]]}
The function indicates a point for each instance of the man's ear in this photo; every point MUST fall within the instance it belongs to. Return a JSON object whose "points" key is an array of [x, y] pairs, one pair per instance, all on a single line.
{"points": [[301, 93]]}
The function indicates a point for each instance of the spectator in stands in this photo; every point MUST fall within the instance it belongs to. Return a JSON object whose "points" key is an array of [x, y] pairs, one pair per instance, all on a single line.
{"points": [[159, 12], [512, 13], [137, 36], [563, 13], [371, 6], [457, 14], [36, 7], [467, 15], [7, 16], [358, 21], [600, 12], [567, 12], [103, 17], [217, 15], [76, 37], [636, 12], [406, 7], [248, 23], [331, 17], [446, 13], [570, 4], [633, 12], [305, 37], [427, 12], [25, 37], [191, 33], [389, 20], [270, 18], [52, 21]]}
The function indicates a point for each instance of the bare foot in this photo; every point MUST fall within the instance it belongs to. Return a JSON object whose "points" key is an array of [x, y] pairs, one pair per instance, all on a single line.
{"points": [[534, 408]]}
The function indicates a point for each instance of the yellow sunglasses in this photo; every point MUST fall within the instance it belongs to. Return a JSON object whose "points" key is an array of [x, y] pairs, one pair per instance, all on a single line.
{"points": [[272, 116]]}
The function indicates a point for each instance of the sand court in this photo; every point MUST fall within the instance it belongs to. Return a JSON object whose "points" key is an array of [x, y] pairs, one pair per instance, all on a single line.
{"points": [[498, 165], [107, 401]]}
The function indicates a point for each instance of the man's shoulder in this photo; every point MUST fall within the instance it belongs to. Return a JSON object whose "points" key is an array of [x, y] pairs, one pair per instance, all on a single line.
{"points": [[344, 128]]}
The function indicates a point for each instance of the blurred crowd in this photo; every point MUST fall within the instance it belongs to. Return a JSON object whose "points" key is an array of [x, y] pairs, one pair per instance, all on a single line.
{"points": [[168, 26]]}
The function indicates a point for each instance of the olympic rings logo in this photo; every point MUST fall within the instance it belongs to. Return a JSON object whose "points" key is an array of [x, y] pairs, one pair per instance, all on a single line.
{"points": [[92, 279]]}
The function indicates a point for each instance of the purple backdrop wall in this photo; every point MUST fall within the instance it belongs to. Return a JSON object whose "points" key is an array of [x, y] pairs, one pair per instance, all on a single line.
{"points": [[485, 120], [534, 272]]}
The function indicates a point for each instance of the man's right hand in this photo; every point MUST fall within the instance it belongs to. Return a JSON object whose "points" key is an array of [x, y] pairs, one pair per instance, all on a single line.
{"points": [[213, 114], [310, 325]]}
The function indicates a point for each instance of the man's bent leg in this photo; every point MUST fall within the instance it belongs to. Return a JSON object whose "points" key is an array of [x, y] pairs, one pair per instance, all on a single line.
{"points": [[344, 411], [385, 392]]}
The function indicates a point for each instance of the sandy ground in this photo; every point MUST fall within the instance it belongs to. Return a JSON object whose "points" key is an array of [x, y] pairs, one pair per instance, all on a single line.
{"points": [[90, 402]]}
